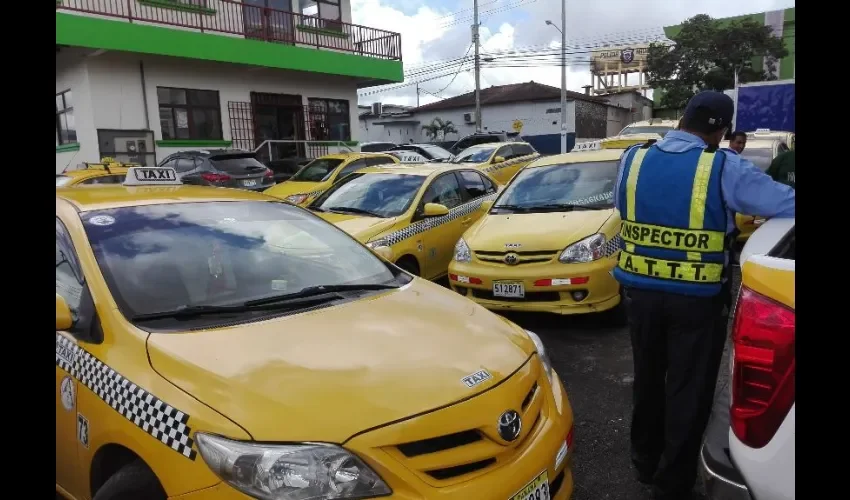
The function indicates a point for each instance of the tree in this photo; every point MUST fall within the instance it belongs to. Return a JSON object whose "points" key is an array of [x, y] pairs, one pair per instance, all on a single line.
{"points": [[706, 55], [439, 128]]}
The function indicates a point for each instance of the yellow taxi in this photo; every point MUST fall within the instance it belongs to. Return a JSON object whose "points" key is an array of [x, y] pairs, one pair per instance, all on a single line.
{"points": [[223, 344], [615, 142], [108, 171], [412, 214], [549, 241], [318, 175], [499, 160], [760, 151], [658, 126]]}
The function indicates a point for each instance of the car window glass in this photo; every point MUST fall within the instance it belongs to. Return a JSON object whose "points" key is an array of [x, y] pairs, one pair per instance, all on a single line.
{"points": [[378, 161], [105, 179], [522, 150], [185, 164], [445, 190], [505, 152], [473, 183], [351, 167], [69, 281], [169, 163]]}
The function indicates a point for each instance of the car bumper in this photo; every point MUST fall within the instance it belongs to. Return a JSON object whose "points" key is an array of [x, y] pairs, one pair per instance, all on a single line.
{"points": [[722, 480], [601, 289]]}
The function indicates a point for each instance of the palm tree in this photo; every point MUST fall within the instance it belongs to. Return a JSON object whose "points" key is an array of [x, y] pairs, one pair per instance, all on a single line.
{"points": [[439, 128]]}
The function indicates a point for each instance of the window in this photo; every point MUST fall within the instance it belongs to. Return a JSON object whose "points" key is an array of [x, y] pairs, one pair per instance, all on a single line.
{"points": [[105, 179], [351, 167], [327, 10], [445, 190], [169, 163], [184, 165], [380, 160], [189, 114], [505, 152], [522, 150], [66, 129], [329, 120], [475, 184], [69, 278]]}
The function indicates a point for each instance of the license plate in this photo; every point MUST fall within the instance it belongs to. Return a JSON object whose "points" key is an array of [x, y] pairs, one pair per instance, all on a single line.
{"points": [[516, 290], [537, 489], [249, 183]]}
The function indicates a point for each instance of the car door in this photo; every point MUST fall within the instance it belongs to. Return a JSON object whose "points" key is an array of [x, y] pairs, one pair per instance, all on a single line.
{"points": [[70, 285], [439, 241]]}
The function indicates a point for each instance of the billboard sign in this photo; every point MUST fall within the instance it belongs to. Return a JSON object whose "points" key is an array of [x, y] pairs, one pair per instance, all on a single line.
{"points": [[625, 57]]}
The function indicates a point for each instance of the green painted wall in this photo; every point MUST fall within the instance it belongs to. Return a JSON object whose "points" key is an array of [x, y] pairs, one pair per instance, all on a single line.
{"points": [[83, 31]]}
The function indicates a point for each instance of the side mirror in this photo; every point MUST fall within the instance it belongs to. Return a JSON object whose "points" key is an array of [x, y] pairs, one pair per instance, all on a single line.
{"points": [[64, 320], [434, 210], [498, 159], [383, 252], [486, 205]]}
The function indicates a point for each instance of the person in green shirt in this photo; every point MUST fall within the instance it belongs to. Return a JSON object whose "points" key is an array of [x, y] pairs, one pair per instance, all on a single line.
{"points": [[782, 168]]}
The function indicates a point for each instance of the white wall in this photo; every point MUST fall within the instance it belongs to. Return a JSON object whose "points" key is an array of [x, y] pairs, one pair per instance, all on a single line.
{"points": [[536, 121], [115, 81], [72, 74]]}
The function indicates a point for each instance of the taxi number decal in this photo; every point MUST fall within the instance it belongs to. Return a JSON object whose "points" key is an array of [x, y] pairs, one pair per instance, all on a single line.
{"points": [[476, 378], [157, 418], [83, 430]]}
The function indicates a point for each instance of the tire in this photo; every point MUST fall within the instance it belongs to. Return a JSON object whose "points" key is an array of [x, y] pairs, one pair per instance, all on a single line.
{"points": [[408, 264], [134, 481]]}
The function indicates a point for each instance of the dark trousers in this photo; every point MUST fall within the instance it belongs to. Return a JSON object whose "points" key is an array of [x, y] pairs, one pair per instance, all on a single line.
{"points": [[677, 343]]}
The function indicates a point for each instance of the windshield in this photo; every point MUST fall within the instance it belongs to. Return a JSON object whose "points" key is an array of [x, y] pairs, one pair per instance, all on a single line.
{"points": [[760, 156], [378, 195], [62, 180], [317, 170], [662, 131], [159, 258], [588, 185], [436, 152], [475, 154]]}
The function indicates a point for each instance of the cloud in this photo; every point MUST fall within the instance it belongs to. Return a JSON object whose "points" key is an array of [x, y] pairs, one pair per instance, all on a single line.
{"points": [[439, 30]]}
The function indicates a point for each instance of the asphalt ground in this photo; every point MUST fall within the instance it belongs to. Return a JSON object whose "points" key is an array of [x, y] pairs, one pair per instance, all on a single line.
{"points": [[594, 360]]}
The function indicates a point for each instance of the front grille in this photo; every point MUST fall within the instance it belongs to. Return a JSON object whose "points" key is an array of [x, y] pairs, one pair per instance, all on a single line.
{"points": [[523, 257], [453, 457], [529, 296]]}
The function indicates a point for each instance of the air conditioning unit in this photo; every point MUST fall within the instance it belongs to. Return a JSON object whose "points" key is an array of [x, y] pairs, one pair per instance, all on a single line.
{"points": [[377, 109], [468, 118]]}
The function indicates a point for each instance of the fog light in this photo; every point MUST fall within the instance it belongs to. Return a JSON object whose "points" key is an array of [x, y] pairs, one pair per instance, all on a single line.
{"points": [[579, 295]]}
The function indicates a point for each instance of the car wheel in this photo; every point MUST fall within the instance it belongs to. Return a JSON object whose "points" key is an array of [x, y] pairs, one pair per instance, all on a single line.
{"points": [[408, 264], [134, 481]]}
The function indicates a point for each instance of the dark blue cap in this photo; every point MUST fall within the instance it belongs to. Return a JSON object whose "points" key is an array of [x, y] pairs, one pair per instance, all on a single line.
{"points": [[709, 111]]}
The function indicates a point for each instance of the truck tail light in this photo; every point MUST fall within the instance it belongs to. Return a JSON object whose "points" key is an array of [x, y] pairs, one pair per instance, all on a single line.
{"points": [[210, 177], [763, 367]]}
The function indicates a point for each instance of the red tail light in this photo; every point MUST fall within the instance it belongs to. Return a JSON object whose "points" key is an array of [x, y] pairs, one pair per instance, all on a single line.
{"points": [[209, 177], [269, 174], [763, 367]]}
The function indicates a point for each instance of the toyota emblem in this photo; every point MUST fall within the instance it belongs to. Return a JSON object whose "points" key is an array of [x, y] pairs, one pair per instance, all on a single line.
{"points": [[510, 425], [511, 259]]}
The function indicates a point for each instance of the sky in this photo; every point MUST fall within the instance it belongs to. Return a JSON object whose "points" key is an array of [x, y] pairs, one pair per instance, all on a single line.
{"points": [[436, 31]]}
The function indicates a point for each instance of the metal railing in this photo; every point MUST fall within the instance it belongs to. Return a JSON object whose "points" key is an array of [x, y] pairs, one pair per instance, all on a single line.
{"points": [[228, 17], [275, 149]]}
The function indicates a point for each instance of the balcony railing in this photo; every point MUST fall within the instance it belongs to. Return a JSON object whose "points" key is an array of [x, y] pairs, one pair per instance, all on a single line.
{"points": [[232, 18]]}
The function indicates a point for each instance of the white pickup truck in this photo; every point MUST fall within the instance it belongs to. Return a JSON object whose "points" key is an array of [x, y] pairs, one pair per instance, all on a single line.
{"points": [[749, 448]]}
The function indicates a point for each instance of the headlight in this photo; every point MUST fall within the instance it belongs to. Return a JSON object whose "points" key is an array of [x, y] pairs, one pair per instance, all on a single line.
{"points": [[586, 250], [296, 198], [309, 471], [462, 251], [544, 358], [377, 243]]}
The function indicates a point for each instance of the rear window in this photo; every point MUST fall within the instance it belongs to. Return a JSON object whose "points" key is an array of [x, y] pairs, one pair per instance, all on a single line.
{"points": [[236, 164], [62, 180]]}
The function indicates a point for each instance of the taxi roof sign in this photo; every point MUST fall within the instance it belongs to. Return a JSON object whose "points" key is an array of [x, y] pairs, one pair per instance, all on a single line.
{"points": [[151, 176]]}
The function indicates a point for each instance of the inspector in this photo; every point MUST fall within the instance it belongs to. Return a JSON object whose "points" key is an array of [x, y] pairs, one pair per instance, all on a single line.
{"points": [[678, 198]]}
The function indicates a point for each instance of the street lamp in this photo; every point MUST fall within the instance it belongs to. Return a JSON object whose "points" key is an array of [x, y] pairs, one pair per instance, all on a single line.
{"points": [[563, 73]]}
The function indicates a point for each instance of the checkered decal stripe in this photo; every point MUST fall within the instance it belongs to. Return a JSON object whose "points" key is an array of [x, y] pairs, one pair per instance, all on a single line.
{"points": [[612, 246], [511, 162], [426, 224], [149, 413]]}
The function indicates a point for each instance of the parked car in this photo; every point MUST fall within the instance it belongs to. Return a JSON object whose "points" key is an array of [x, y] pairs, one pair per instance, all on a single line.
{"points": [[285, 168], [482, 138], [749, 446], [431, 152], [500, 160], [407, 156], [108, 171], [220, 168], [376, 147], [658, 126]]}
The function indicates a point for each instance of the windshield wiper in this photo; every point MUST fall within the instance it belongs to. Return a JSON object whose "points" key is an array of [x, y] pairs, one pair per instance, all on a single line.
{"points": [[355, 211], [188, 312], [509, 207], [562, 206], [318, 290]]}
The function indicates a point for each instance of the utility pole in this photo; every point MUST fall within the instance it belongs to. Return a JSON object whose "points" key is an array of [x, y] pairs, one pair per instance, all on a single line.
{"points": [[563, 76], [475, 40], [417, 94]]}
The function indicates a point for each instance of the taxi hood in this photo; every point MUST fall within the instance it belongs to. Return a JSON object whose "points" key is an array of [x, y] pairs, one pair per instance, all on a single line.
{"points": [[361, 228], [288, 188], [547, 231], [328, 374]]}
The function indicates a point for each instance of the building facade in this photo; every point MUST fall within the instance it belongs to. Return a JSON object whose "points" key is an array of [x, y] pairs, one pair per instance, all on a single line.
{"points": [[531, 109], [141, 79]]}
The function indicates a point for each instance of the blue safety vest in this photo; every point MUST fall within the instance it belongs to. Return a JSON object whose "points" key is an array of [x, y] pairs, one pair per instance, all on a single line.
{"points": [[674, 221]]}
